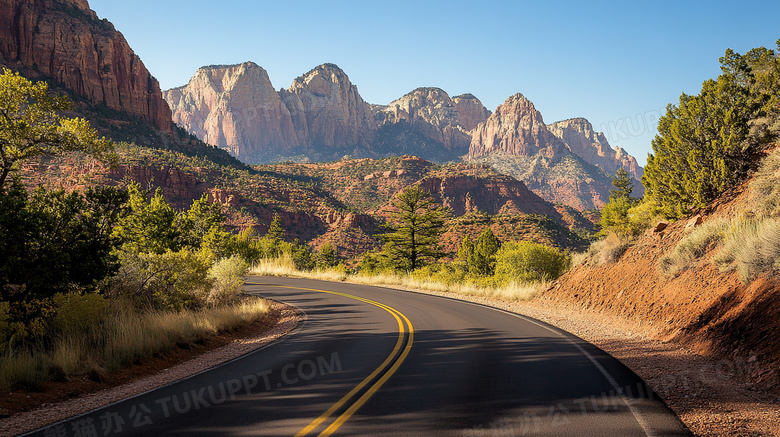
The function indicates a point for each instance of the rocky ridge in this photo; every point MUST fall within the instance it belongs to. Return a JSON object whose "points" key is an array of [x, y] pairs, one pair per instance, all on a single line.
{"points": [[64, 40]]}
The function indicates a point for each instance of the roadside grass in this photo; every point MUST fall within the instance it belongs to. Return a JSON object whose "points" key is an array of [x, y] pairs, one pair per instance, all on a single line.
{"points": [[511, 291], [693, 246], [124, 337]]}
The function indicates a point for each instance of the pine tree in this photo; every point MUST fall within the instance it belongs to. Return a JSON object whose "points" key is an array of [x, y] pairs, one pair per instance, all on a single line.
{"points": [[623, 185], [483, 259], [415, 227]]}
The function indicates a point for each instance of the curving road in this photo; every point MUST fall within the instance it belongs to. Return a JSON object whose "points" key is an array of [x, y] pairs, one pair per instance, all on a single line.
{"points": [[374, 361]]}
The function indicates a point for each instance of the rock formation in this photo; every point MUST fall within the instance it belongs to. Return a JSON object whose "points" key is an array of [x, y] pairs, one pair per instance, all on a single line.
{"points": [[235, 108], [328, 113], [470, 110], [426, 113], [65, 41], [515, 128], [594, 148]]}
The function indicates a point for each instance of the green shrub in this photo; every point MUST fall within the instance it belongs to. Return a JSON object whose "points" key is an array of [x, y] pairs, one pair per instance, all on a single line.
{"points": [[445, 273], [79, 314], [528, 261], [171, 280], [227, 276]]}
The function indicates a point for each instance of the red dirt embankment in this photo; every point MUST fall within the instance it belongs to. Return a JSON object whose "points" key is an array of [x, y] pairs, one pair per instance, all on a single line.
{"points": [[710, 312]]}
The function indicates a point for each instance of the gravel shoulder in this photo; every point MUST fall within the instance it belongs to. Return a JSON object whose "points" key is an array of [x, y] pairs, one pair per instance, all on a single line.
{"points": [[712, 397], [288, 319]]}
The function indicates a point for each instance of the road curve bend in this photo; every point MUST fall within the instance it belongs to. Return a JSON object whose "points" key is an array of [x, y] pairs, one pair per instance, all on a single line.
{"points": [[374, 361]]}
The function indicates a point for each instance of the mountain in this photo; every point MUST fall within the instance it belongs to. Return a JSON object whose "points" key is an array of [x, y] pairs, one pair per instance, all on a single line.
{"points": [[594, 148], [65, 41], [236, 108], [427, 123], [567, 163], [322, 117], [516, 128]]}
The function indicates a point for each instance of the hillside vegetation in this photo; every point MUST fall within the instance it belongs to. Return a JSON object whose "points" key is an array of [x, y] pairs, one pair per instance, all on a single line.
{"points": [[696, 260]]}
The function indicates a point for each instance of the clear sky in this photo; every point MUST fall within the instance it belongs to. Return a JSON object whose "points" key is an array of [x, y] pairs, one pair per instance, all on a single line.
{"points": [[617, 63]]}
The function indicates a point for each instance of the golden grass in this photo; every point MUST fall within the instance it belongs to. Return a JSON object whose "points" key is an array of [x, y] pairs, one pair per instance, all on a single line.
{"points": [[510, 292], [693, 246], [126, 337]]}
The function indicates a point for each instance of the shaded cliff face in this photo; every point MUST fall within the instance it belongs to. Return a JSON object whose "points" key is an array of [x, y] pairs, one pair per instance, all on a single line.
{"points": [[327, 112], [515, 128], [424, 122], [65, 41], [594, 148], [235, 108]]}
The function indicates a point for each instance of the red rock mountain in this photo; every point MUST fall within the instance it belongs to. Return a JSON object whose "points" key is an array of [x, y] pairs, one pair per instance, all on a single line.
{"points": [[64, 40], [471, 110], [235, 108], [594, 148]]}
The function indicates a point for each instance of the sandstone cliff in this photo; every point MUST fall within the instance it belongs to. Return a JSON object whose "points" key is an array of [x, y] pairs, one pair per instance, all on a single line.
{"points": [[516, 128], [424, 122], [65, 41], [594, 148], [328, 114], [235, 108], [470, 110]]}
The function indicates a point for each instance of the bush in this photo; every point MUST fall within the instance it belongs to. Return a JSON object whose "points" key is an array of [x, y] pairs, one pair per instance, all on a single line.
{"points": [[765, 191], [171, 280], [227, 276], [527, 261], [445, 273], [79, 314], [607, 250]]}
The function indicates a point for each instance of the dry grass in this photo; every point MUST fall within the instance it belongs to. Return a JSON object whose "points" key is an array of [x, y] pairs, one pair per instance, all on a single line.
{"points": [[693, 246], [125, 337], [752, 247], [607, 250], [510, 292]]}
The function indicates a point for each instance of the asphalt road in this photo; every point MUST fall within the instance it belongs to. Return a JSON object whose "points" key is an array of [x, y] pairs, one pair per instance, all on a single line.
{"points": [[372, 361]]}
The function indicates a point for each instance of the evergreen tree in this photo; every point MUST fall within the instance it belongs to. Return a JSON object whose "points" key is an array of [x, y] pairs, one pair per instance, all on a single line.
{"points": [[623, 185], [415, 227], [483, 259], [465, 251]]}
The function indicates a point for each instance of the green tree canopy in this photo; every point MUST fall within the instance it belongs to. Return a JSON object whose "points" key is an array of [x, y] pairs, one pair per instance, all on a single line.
{"points": [[527, 261], [414, 228], [483, 258], [623, 185], [707, 143], [31, 126]]}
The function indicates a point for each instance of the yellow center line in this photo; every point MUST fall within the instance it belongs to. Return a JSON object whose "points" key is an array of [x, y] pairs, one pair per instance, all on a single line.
{"points": [[377, 385]]}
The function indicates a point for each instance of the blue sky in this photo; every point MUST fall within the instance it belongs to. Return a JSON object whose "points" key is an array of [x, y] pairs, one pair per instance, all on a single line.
{"points": [[618, 64]]}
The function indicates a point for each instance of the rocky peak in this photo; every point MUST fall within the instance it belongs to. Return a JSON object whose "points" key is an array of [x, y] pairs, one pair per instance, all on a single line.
{"points": [[515, 128], [593, 147], [64, 40], [234, 107], [432, 105], [327, 110], [470, 110]]}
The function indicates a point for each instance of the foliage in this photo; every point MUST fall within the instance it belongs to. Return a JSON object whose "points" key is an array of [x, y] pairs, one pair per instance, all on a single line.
{"points": [[79, 314], [31, 126], [327, 257], [227, 277], [623, 185], [482, 259], [765, 191], [149, 226], [165, 281], [414, 229], [606, 250], [707, 143], [527, 261], [52, 242]]}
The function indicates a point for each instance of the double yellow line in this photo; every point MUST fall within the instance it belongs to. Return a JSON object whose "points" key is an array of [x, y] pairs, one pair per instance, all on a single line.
{"points": [[381, 370]]}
